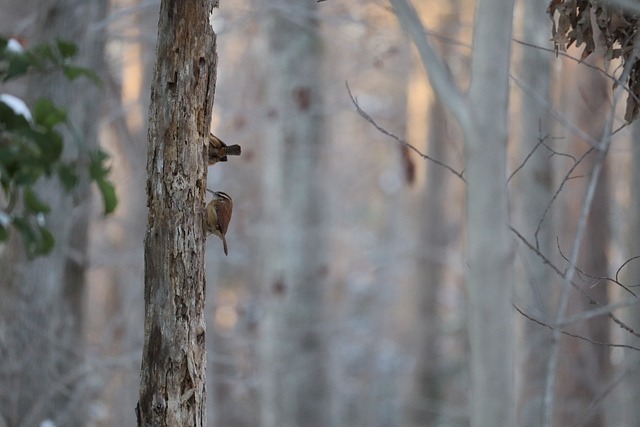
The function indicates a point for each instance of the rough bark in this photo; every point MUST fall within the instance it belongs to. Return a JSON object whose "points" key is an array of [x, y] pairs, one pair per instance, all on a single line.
{"points": [[293, 349], [41, 318], [172, 384]]}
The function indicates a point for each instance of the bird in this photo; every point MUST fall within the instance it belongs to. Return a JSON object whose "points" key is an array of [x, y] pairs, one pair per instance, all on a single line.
{"points": [[218, 216], [218, 150]]}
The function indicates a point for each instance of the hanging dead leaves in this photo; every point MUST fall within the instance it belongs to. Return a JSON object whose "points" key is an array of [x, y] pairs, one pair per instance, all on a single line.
{"points": [[615, 34]]}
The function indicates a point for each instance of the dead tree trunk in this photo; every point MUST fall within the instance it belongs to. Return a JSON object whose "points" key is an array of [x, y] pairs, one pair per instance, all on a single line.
{"points": [[172, 383]]}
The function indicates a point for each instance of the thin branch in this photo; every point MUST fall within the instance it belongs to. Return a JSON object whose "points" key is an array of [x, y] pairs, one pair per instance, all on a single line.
{"points": [[539, 98], [624, 264], [558, 153], [557, 193], [382, 130], [600, 311], [563, 275], [569, 334], [602, 150], [526, 159], [439, 76], [596, 278]]}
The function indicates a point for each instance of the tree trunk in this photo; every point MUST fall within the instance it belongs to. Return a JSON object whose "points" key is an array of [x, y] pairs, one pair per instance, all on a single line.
{"points": [[583, 367], [534, 182], [630, 390], [489, 243], [41, 318], [428, 388], [482, 115], [293, 349], [172, 384]]}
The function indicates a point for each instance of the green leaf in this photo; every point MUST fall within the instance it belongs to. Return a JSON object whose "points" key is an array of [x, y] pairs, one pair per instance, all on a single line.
{"points": [[99, 173], [33, 203], [41, 54], [109, 197], [68, 176], [37, 240], [10, 120], [4, 235], [67, 49], [50, 146], [45, 113], [72, 72], [47, 241], [18, 65]]}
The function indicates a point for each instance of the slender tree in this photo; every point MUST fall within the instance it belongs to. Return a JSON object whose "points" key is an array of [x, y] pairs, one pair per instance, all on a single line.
{"points": [[534, 179], [294, 354], [172, 384], [482, 115]]}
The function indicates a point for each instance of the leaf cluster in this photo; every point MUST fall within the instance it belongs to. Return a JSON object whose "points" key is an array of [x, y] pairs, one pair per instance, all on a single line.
{"points": [[31, 147], [617, 31]]}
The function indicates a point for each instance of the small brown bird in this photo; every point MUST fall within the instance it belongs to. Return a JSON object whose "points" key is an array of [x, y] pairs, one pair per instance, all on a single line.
{"points": [[218, 216], [218, 150]]}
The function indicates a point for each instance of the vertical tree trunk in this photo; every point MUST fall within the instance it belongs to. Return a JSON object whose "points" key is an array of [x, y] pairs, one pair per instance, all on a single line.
{"points": [[534, 183], [583, 367], [483, 118], [293, 349], [489, 243], [172, 384], [630, 390], [41, 319], [427, 388]]}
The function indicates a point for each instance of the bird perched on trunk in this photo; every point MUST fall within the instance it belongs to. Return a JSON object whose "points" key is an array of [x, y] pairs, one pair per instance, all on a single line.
{"points": [[218, 150], [218, 216]]}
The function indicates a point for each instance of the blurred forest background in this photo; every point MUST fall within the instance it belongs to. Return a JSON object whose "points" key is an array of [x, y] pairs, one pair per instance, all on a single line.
{"points": [[388, 315]]}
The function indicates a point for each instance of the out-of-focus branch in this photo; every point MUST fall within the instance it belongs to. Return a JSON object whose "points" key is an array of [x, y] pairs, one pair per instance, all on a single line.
{"points": [[441, 81], [382, 130]]}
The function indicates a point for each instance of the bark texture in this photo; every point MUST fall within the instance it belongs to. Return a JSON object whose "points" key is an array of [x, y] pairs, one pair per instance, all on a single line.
{"points": [[172, 384], [294, 356], [41, 316]]}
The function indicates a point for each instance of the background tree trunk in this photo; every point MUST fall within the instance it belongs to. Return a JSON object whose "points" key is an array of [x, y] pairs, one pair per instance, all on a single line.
{"points": [[584, 367], [41, 317], [534, 182], [630, 369], [293, 348], [172, 384], [489, 242]]}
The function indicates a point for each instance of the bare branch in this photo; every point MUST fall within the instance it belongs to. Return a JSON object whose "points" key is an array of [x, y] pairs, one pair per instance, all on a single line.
{"points": [[569, 334], [602, 150], [596, 278], [600, 311], [439, 76], [557, 193], [526, 159], [382, 130], [563, 275], [624, 264]]}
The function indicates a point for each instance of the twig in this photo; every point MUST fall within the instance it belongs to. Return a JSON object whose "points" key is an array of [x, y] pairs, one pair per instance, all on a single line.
{"points": [[382, 130], [602, 150], [569, 334], [597, 278], [557, 193]]}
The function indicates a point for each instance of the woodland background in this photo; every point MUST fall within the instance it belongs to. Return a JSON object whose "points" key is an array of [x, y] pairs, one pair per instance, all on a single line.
{"points": [[391, 317]]}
